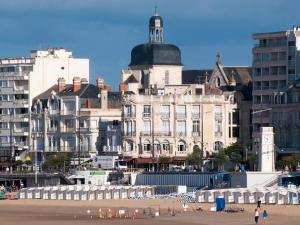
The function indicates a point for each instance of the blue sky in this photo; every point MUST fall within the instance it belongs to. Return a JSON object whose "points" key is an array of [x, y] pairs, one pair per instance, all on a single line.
{"points": [[105, 31]]}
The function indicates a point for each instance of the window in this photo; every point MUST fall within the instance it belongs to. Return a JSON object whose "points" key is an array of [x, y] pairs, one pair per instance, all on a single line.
{"points": [[147, 111], [218, 145], [165, 111], [129, 146], [196, 111], [69, 106], [166, 146], [167, 77], [181, 128], [147, 127], [147, 146], [156, 148], [180, 110], [166, 127], [235, 132], [236, 117], [196, 127], [129, 110], [181, 147]]}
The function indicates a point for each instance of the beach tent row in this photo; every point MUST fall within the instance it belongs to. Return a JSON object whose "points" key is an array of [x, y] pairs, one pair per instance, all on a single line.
{"points": [[85, 192], [282, 196]]}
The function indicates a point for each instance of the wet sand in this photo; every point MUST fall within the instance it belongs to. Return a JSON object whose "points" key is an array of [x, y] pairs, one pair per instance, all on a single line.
{"points": [[50, 212]]}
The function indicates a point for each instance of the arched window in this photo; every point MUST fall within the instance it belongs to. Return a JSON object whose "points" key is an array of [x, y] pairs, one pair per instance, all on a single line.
{"points": [[147, 146], [218, 145], [181, 147], [156, 147], [166, 146], [129, 146], [218, 82]]}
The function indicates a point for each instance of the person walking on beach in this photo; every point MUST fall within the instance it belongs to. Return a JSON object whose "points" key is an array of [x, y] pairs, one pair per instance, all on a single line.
{"points": [[258, 203], [256, 216], [265, 216]]}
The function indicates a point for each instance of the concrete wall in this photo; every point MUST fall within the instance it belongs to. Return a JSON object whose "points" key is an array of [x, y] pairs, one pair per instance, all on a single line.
{"points": [[252, 179]]}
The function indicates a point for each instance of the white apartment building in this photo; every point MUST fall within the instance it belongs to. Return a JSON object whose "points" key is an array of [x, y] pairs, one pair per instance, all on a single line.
{"points": [[167, 111], [275, 67], [78, 118], [21, 79]]}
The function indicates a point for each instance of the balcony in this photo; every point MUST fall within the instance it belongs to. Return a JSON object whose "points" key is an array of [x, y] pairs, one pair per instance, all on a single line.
{"points": [[67, 129], [15, 75], [116, 149], [158, 134], [52, 129], [129, 134], [15, 118], [21, 130], [128, 115], [181, 153], [146, 115]]}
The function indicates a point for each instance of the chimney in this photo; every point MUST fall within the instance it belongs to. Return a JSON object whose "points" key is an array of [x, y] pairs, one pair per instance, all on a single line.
{"points": [[76, 84], [61, 83], [122, 87], [84, 81], [104, 100], [100, 83]]}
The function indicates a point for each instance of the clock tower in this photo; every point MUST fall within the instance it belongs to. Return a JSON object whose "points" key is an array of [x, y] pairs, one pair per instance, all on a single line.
{"points": [[266, 154]]}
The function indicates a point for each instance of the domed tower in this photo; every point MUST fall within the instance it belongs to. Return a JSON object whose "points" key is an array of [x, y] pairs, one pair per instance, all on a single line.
{"points": [[156, 29]]}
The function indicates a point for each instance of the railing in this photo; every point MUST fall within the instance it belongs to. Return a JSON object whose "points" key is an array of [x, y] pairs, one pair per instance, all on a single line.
{"points": [[146, 115], [181, 152], [129, 134], [21, 130], [128, 115], [68, 129], [14, 74], [162, 133], [53, 129], [116, 148]]}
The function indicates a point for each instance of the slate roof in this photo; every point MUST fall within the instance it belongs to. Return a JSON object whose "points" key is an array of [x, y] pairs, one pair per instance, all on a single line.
{"points": [[131, 79], [155, 54], [195, 76]]}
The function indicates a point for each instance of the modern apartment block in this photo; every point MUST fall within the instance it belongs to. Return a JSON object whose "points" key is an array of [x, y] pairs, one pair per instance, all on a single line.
{"points": [[21, 79], [79, 118], [168, 111], [276, 66]]}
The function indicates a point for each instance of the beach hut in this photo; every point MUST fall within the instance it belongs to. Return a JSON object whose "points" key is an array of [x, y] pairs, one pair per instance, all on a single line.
{"points": [[239, 196], [22, 193], [53, 193], [100, 193], [92, 195], [108, 192], [249, 197], [282, 197], [37, 194], [61, 193], [218, 193], [148, 191], [69, 194], [293, 197], [46, 193], [132, 192], [200, 196], [29, 193], [271, 197], [209, 196], [76, 195], [140, 192], [228, 195]]}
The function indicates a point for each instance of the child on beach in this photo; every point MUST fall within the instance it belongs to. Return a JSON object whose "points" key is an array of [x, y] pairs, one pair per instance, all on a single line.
{"points": [[265, 216], [256, 217]]}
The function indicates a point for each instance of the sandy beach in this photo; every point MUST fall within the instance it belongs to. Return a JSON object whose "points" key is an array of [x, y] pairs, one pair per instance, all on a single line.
{"points": [[48, 212]]}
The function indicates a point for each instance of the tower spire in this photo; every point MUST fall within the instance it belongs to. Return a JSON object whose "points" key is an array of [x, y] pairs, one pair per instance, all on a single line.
{"points": [[156, 28]]}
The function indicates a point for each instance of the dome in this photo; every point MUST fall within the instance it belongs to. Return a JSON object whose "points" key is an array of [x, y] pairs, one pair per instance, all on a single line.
{"points": [[155, 54], [155, 18]]}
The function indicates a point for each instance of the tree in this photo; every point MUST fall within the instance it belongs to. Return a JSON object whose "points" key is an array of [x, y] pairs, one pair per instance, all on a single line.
{"points": [[220, 158], [18, 164], [164, 161], [196, 158], [59, 163], [235, 153]]}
